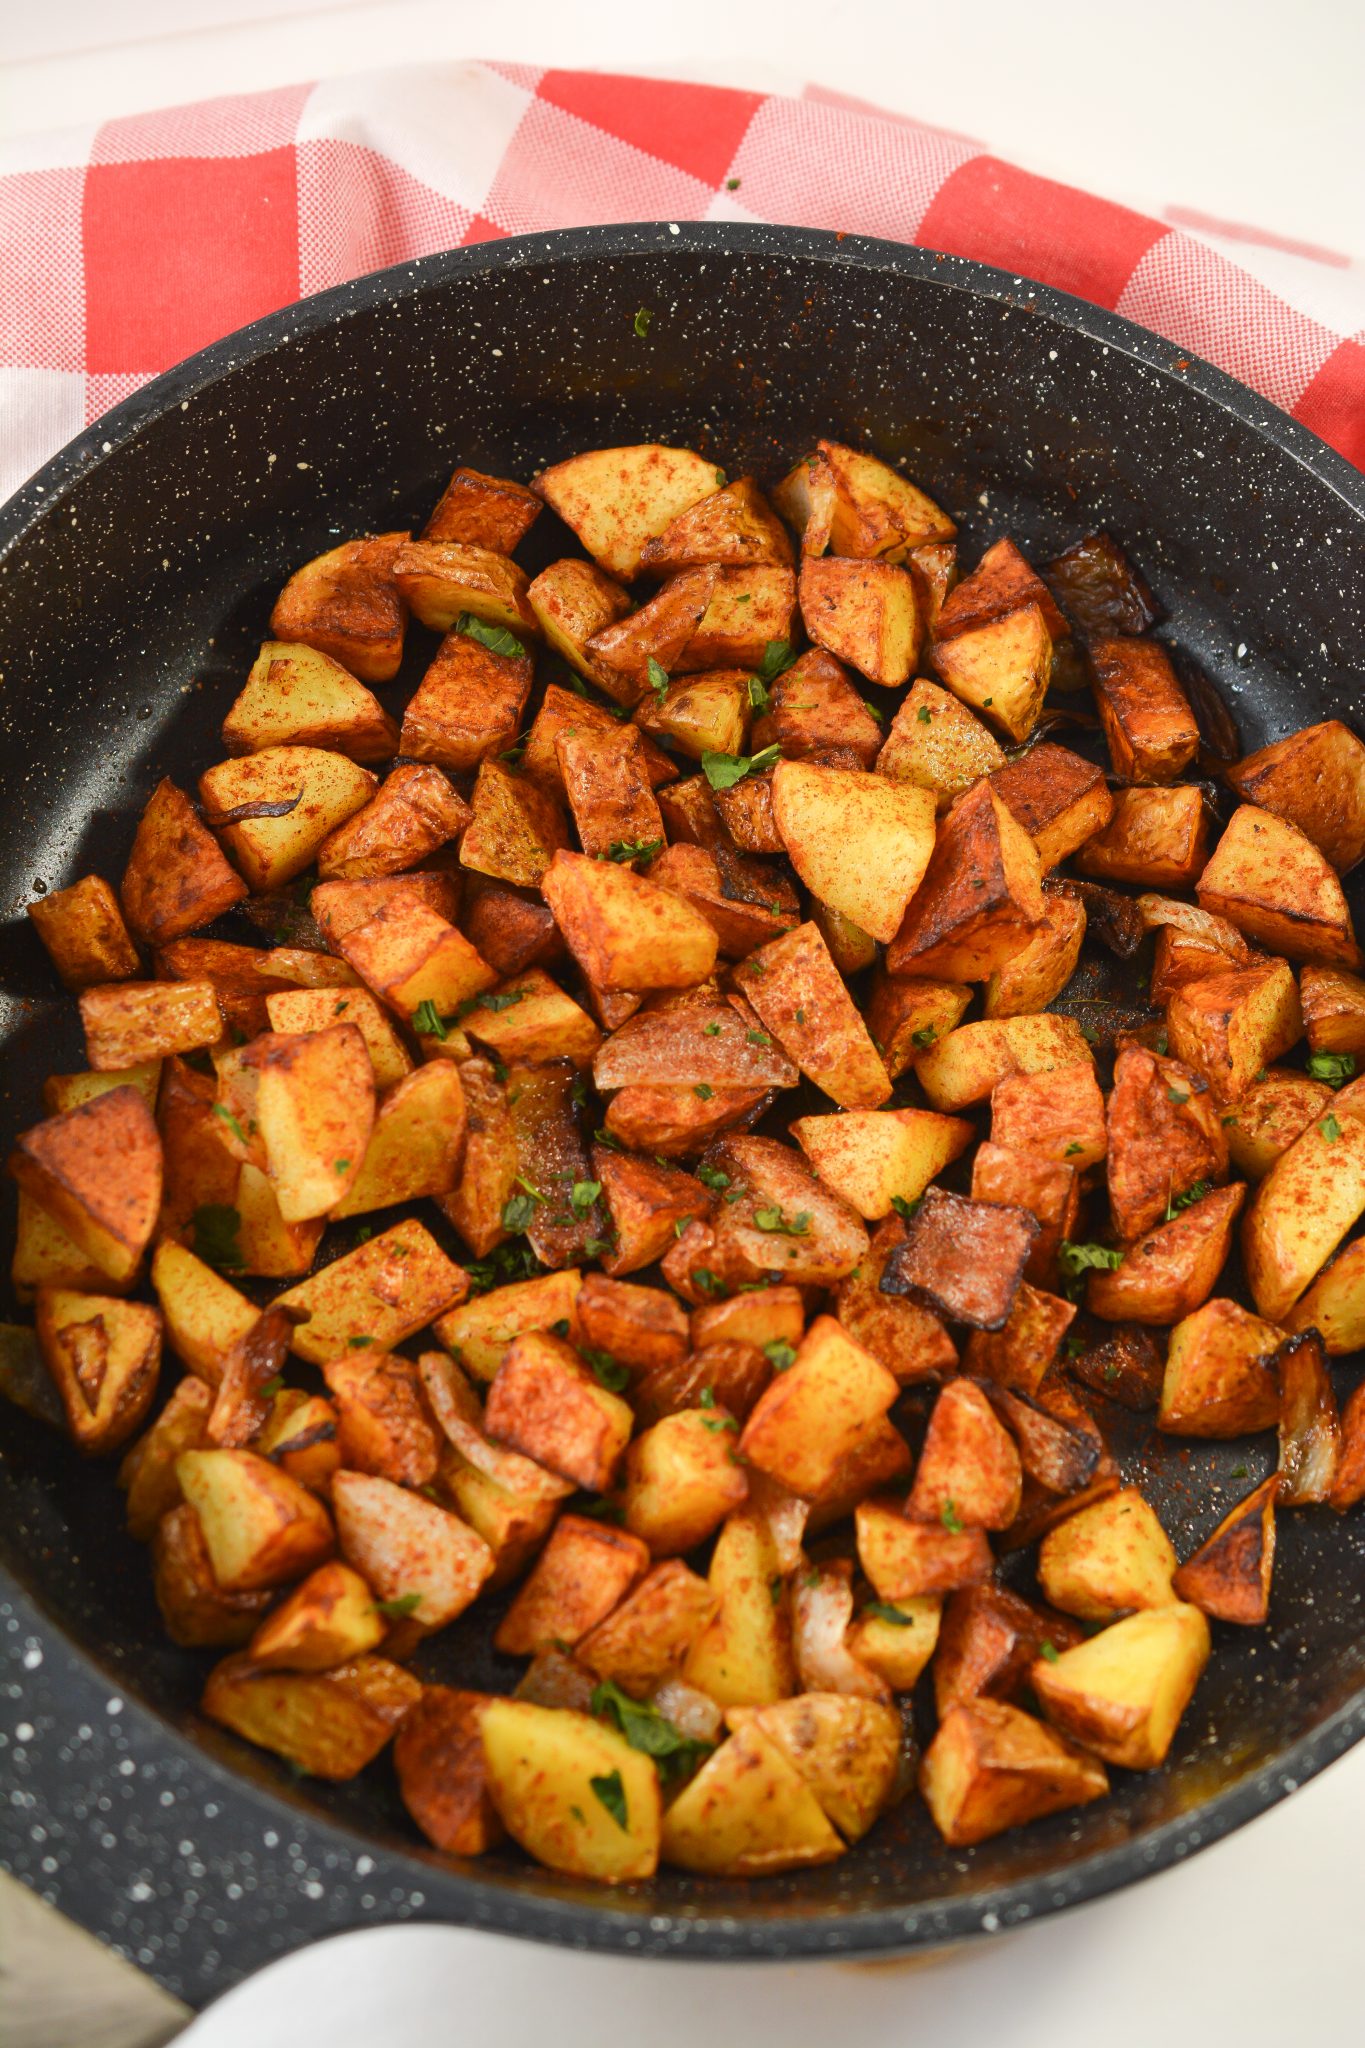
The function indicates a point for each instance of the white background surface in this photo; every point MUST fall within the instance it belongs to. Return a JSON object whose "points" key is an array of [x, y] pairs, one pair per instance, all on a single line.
{"points": [[1250, 113]]}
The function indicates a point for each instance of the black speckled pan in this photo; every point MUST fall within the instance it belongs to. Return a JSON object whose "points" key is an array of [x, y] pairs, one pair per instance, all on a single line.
{"points": [[136, 574]]}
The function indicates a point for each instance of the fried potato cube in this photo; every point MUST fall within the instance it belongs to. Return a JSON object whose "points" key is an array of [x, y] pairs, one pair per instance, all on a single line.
{"points": [[582, 1575], [626, 656], [992, 1767], [815, 713], [198, 1169], [903, 1559], [67, 1091], [1060, 800], [1002, 582], [1038, 973], [1107, 1559], [340, 907], [442, 1773], [1270, 881], [734, 526], [413, 1552], [987, 1642], [147, 1471], [878, 1157], [748, 1813], [624, 932], [1122, 1692], [383, 1424], [1027, 1344], [1311, 1197], [205, 1316], [682, 1479], [1001, 668], [572, 1791], [195, 1611], [572, 602], [127, 1023], [177, 876], [1171, 1270], [782, 1221], [411, 956], [83, 930], [444, 581], [859, 843], [865, 613], [1348, 1487], [969, 1468], [1047, 1188], [964, 1260], [478, 1333], [1316, 780], [1230, 1027], [970, 1063], [345, 604], [296, 696], [743, 1656], [980, 898], [547, 1404], [648, 1202], [641, 1327], [511, 928], [1158, 838], [1166, 1136], [1220, 1378], [935, 743], [561, 711], [416, 1143], [747, 610], [467, 706], [846, 1749], [515, 829], [262, 1528], [908, 1340], [275, 808], [799, 995], [1310, 1427], [701, 713], [300, 1436], [693, 875], [1055, 1113], [414, 812], [606, 778], [896, 1641], [386, 1290], [310, 1010], [45, 1256], [314, 1107], [1333, 1010], [905, 1017], [266, 1244], [864, 508], [771, 1315], [1148, 724], [327, 1724], [480, 511], [813, 1414], [103, 1355], [617, 499], [704, 1038], [1228, 1577], [646, 1638], [96, 1171], [488, 1173], [530, 1020], [1099, 589], [327, 1620], [1334, 1304], [676, 1123]]}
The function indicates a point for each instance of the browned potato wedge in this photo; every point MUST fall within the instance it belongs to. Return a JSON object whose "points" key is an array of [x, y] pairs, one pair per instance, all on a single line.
{"points": [[649, 1202], [1174, 1268], [876, 1158], [96, 1170], [262, 1528], [625, 932], [424, 1563], [477, 1333], [606, 779], [415, 812], [382, 1419], [204, 1315], [340, 906], [386, 1290], [1311, 1197], [648, 1636], [147, 1470], [295, 696], [1270, 881], [1158, 838], [572, 1791], [1310, 1427], [410, 956], [515, 829], [965, 1260], [896, 1640], [748, 611], [345, 604], [416, 1143], [707, 1039], [865, 613], [1166, 1136], [1030, 980], [847, 499], [1231, 1027], [701, 713], [483, 512], [274, 809], [859, 843], [1148, 724], [908, 1340], [1220, 1376], [847, 1750], [1060, 800], [969, 1469], [304, 1010], [582, 1575], [743, 1656], [66, 1091], [987, 1641], [903, 1559], [735, 526], [177, 877], [1047, 1188], [969, 1064], [1123, 1692], [328, 1724], [798, 993], [626, 656], [326, 1621], [1099, 589], [813, 1414], [443, 581], [639, 1326], [1334, 1305], [104, 1356], [196, 1612], [992, 1767], [906, 1016], [1057, 1113], [616, 499], [83, 930], [1001, 582], [1001, 669], [815, 713], [548, 1405], [747, 1813], [300, 1437], [1020, 1353], [1228, 1577], [1333, 1010], [468, 705], [572, 602], [442, 1775], [682, 1479], [1349, 1485], [980, 899], [935, 743], [1107, 1559], [1316, 780]]}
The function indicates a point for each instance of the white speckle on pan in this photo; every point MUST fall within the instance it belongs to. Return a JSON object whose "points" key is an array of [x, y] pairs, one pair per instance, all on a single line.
{"points": [[24, 1731], [114, 1705], [33, 1657]]}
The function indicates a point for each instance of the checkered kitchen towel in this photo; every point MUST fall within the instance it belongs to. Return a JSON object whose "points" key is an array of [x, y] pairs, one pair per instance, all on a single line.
{"points": [[125, 247]]}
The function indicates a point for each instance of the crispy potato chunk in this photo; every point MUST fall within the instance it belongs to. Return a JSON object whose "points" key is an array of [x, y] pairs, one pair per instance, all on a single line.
{"points": [[1001, 668], [572, 1791], [204, 1315], [963, 1259], [1099, 589], [305, 1010], [1107, 1559], [482, 511], [1316, 780], [195, 1611], [1057, 1113], [935, 743], [1148, 724], [1231, 1027], [897, 1640], [624, 932], [743, 1656], [104, 1356], [326, 1621], [300, 1437], [314, 1106], [478, 1333], [443, 581], [83, 930], [386, 1290], [572, 602], [1035, 975], [865, 613], [846, 499], [515, 830], [748, 1813], [645, 1640], [813, 1414], [980, 898], [442, 1774], [707, 1039], [383, 1423], [415, 811], [345, 604], [1229, 1575], [616, 499], [800, 996], [1021, 1351], [968, 1468], [1220, 1378], [328, 1724], [875, 1158], [640, 1326], [903, 1559], [415, 1145], [409, 956], [467, 706], [1333, 1010], [606, 778], [1165, 1137], [909, 1341], [295, 696], [859, 843], [1047, 1188], [275, 808], [1270, 881], [1310, 1428], [44, 1256], [1311, 1197], [846, 1749], [1334, 1305], [1002, 582], [1158, 838], [734, 526], [147, 1470], [702, 713], [409, 1548], [682, 1480], [992, 1767], [548, 1405], [747, 611], [815, 713], [974, 1061], [262, 1528], [657, 634], [1123, 1692], [987, 1641], [1170, 1271], [1348, 1487], [1060, 800], [177, 876], [907, 1016], [339, 907], [96, 1170], [582, 1575]]}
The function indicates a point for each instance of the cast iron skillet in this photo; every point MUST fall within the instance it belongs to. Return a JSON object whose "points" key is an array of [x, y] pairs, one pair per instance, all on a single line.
{"points": [[136, 574]]}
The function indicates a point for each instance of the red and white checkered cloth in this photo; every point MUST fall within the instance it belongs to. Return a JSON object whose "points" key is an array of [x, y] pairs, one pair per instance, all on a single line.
{"points": [[125, 247]]}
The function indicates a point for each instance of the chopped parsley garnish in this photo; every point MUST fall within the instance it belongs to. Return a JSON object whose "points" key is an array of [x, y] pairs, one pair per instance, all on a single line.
{"points": [[358, 1343], [712, 1177], [1048, 1651], [518, 1211], [583, 1194], [649, 1731], [1332, 1067], [641, 325], [496, 639], [723, 771], [703, 1091], [951, 1519], [1072, 1149], [757, 1038], [215, 1227], [658, 678], [924, 1037], [272, 1387], [925, 715], [779, 1353], [427, 1022], [399, 1608], [1238, 1472], [220, 1109], [758, 693], [1078, 1259], [606, 1370], [904, 1209], [778, 1222], [777, 658], [1177, 1095], [1330, 1128], [609, 1790], [882, 1610], [624, 850]]}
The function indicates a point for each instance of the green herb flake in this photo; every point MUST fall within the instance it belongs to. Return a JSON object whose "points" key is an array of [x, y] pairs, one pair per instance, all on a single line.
{"points": [[358, 1343], [925, 715], [1330, 1128], [220, 1109], [882, 1610], [720, 1422], [926, 1036], [1072, 1149], [800, 1016], [779, 1353], [703, 1277], [1194, 1193], [1332, 1067], [775, 1588], [427, 1023], [272, 1387], [776, 1221], [341, 1166], [658, 678], [401, 1607], [676, 1755], [874, 712], [904, 1209], [732, 184], [1083, 1258], [606, 1370], [723, 771], [496, 639], [1048, 1651], [757, 1038], [214, 1228], [703, 1091], [758, 693], [711, 1030], [609, 1790], [951, 1519], [641, 325], [1238, 1472], [583, 1194], [1177, 1095], [517, 1212], [712, 1177]]}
